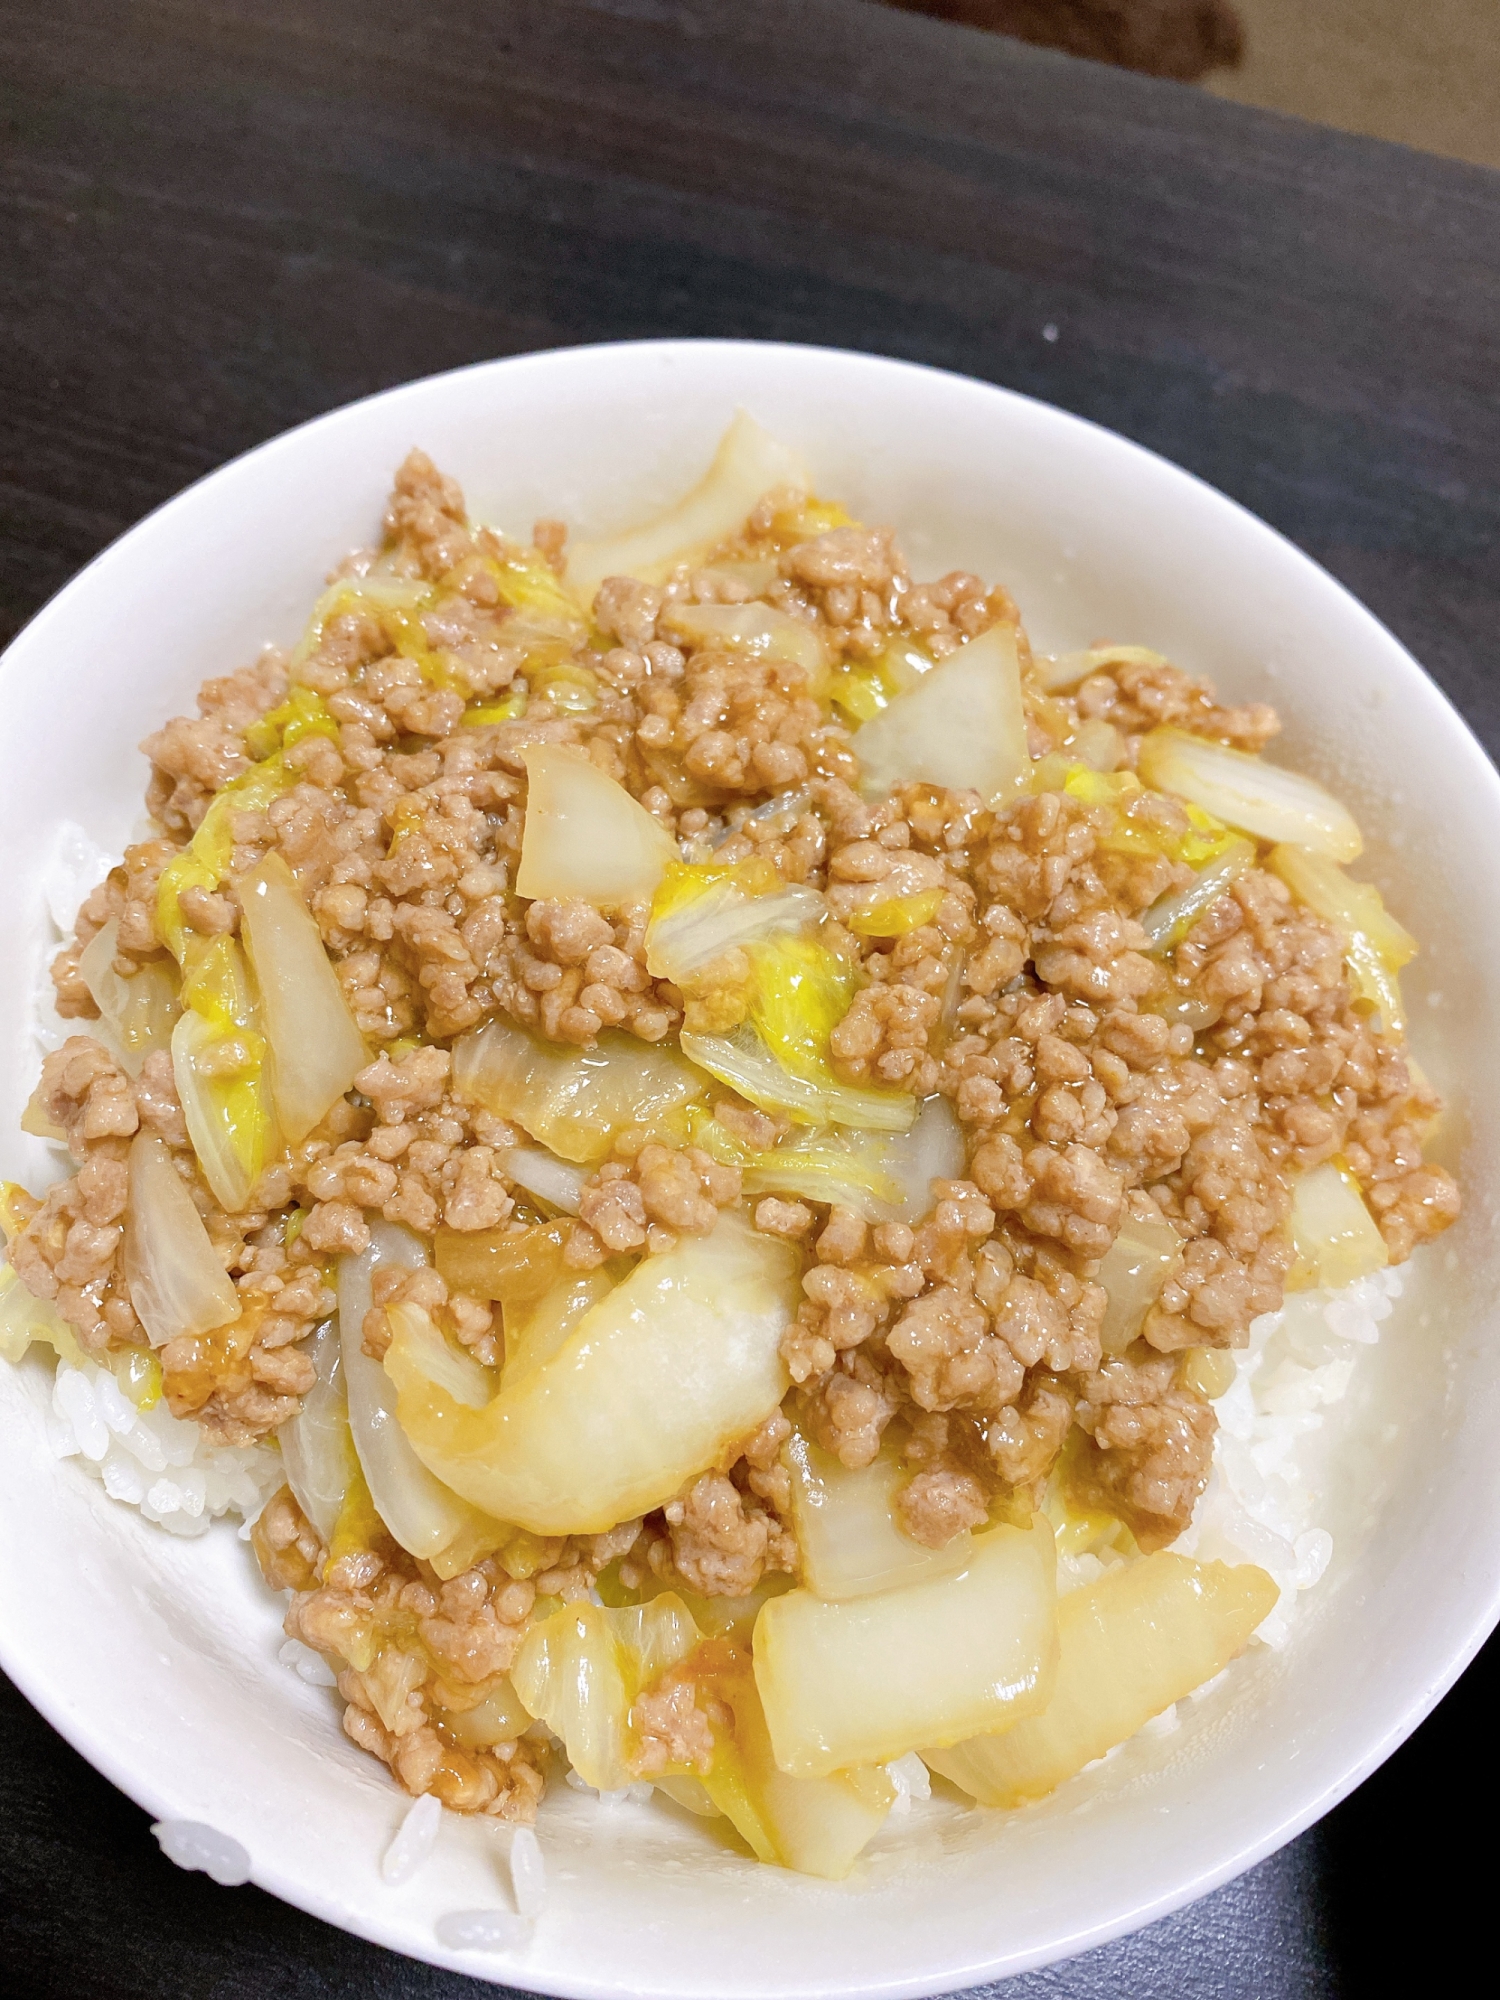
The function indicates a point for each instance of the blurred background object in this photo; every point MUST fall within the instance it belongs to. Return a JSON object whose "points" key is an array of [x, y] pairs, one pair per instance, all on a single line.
{"points": [[1184, 39], [1427, 75]]}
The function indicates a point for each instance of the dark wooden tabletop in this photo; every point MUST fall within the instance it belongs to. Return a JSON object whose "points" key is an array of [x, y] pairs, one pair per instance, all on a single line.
{"points": [[221, 217]]}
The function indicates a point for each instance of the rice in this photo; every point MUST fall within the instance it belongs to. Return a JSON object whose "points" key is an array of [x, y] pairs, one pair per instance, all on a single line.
{"points": [[193, 1845], [149, 1459], [415, 1839], [76, 865], [910, 1777], [528, 1872], [482, 1930], [1260, 1502]]}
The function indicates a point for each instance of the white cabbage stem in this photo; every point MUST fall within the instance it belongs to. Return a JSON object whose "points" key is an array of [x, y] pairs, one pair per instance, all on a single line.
{"points": [[819, 1826], [1170, 918], [177, 1283], [648, 1389], [1246, 792], [557, 1182], [723, 917], [25, 1318], [756, 629], [137, 1013], [1133, 1270], [316, 1447], [580, 1670], [585, 836], [748, 464], [1335, 1235], [850, 1168], [533, 1334], [848, 1537], [420, 1512], [932, 1150], [743, 1061], [1375, 944], [1140, 1638], [868, 1679], [316, 1050], [574, 1101], [884, 1176], [963, 725]]}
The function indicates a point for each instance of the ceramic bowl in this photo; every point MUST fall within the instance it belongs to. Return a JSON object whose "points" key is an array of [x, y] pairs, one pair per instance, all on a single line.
{"points": [[158, 1659]]}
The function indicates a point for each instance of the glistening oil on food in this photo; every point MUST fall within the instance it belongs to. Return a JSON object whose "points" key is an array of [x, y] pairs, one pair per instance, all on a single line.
{"points": [[754, 1187]]}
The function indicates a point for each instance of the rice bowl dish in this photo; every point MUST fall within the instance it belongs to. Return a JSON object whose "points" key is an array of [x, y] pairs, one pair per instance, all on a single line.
{"points": [[911, 1137]]}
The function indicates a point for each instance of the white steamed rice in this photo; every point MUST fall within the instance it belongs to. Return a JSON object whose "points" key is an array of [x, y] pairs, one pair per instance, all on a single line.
{"points": [[152, 1460], [1261, 1504]]}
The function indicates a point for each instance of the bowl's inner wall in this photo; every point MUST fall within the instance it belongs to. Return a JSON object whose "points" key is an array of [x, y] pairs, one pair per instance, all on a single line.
{"points": [[185, 1703]]}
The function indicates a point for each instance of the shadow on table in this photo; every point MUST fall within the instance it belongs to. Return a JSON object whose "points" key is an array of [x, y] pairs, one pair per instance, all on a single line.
{"points": [[1327, 1917]]}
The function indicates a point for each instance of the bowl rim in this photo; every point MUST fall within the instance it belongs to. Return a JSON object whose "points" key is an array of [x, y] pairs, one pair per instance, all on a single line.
{"points": [[1306, 1803]]}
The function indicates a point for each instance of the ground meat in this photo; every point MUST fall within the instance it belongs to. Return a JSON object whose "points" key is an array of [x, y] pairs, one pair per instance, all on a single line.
{"points": [[674, 1728], [287, 1546], [720, 1546], [672, 1192], [1152, 1442], [933, 1507], [433, 1649]]}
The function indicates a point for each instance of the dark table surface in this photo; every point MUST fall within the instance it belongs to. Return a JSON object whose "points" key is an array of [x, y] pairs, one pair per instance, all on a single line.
{"points": [[221, 217]]}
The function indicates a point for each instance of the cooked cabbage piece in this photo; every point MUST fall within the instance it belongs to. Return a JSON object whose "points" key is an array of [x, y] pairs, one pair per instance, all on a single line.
{"points": [[702, 910], [535, 1329], [748, 464], [1170, 918], [585, 836], [866, 1680], [821, 1163], [652, 1384], [316, 1446], [848, 1536], [1146, 1634], [1245, 791], [556, 1182], [500, 1718], [1375, 945], [1133, 1271], [962, 725], [818, 1826], [576, 1101], [178, 1285], [316, 1050], [1334, 1232], [25, 1318], [757, 629], [743, 1061], [932, 1149], [884, 1176], [512, 1266], [423, 1515], [139, 1012], [220, 1069], [580, 1671]]}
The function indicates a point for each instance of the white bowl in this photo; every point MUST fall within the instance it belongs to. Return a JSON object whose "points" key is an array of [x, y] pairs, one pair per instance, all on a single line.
{"points": [[157, 1659]]}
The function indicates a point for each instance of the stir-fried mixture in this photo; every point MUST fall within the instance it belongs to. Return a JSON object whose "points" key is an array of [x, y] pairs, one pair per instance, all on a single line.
{"points": [[728, 1120]]}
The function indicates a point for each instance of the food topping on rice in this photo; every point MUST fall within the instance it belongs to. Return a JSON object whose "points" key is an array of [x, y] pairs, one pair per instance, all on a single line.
{"points": [[715, 1126]]}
